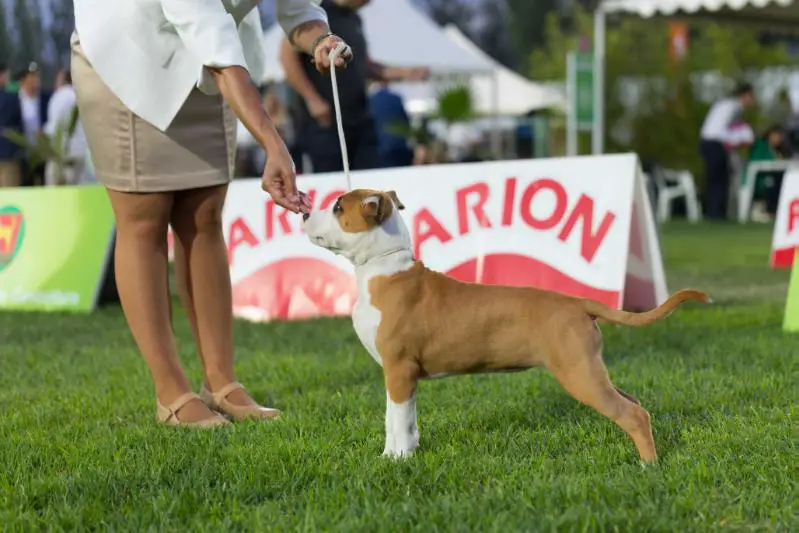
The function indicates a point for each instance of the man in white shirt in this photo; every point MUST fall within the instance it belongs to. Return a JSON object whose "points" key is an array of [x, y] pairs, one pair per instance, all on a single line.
{"points": [[61, 111], [159, 85], [33, 104], [714, 135]]}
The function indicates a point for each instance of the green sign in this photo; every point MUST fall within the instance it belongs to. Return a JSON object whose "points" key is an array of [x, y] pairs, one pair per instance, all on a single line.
{"points": [[54, 247], [584, 89]]}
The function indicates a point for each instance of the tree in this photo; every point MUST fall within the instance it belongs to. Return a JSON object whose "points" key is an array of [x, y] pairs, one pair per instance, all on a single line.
{"points": [[63, 22], [492, 35], [663, 125], [527, 22], [28, 23], [6, 44]]}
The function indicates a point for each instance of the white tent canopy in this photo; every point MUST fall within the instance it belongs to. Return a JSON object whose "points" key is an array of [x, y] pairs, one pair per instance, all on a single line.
{"points": [[516, 94], [772, 10], [398, 34], [502, 92], [766, 12]]}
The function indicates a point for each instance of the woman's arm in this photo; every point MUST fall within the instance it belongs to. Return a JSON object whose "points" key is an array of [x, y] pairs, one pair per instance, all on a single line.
{"points": [[211, 33]]}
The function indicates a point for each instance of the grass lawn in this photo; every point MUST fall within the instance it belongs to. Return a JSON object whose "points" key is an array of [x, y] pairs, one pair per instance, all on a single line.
{"points": [[79, 449]]}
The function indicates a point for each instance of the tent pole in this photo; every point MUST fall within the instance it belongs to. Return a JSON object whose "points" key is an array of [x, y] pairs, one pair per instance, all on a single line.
{"points": [[497, 134], [598, 134], [571, 115]]}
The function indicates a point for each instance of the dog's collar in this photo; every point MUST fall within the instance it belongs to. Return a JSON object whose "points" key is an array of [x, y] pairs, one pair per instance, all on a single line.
{"points": [[386, 254]]}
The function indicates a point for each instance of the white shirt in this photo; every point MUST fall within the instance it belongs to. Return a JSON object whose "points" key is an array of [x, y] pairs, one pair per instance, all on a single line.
{"points": [[152, 53], [719, 119], [31, 122], [59, 115]]}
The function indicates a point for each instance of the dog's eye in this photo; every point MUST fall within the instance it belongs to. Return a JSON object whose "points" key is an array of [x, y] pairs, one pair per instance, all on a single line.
{"points": [[337, 206]]}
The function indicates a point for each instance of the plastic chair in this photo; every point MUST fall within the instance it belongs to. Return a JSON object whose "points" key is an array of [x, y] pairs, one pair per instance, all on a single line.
{"points": [[673, 185]]}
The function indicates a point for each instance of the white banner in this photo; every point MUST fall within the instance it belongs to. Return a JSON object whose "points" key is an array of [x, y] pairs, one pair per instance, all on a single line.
{"points": [[786, 226], [581, 226]]}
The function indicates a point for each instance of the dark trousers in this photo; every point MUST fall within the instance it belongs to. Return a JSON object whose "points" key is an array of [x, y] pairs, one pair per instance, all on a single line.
{"points": [[322, 147], [717, 173], [396, 158]]}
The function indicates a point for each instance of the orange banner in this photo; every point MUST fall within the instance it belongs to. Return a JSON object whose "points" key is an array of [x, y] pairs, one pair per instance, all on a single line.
{"points": [[679, 40]]}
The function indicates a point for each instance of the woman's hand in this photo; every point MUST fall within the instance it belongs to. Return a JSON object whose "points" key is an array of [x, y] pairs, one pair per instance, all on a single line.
{"points": [[321, 54], [280, 181]]}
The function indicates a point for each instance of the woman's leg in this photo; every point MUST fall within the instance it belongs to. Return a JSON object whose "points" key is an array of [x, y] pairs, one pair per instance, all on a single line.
{"points": [[141, 276], [203, 278]]}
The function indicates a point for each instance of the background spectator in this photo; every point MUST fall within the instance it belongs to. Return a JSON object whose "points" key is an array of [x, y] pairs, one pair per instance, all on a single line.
{"points": [[312, 103], [10, 119], [34, 103], [388, 112], [714, 134], [62, 116], [768, 147]]}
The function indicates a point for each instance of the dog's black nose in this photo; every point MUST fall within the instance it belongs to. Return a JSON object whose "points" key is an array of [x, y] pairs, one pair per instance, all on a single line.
{"points": [[305, 216]]}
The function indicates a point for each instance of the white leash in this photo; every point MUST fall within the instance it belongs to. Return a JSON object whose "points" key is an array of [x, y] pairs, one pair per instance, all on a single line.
{"points": [[342, 141]]}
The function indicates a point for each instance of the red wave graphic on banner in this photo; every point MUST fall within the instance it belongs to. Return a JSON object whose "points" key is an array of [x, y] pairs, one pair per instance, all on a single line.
{"points": [[301, 288], [293, 289], [783, 257], [521, 271]]}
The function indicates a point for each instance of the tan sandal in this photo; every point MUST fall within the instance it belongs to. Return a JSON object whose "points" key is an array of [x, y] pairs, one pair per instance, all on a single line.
{"points": [[169, 415], [219, 402]]}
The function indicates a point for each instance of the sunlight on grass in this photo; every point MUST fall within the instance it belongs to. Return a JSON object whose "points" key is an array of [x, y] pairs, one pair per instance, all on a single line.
{"points": [[80, 449]]}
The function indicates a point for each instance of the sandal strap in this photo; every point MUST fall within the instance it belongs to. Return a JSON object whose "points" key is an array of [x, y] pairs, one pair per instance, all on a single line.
{"points": [[225, 391], [180, 403]]}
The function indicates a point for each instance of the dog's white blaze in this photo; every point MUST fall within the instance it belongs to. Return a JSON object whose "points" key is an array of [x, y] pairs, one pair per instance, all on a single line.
{"points": [[402, 432], [365, 316]]}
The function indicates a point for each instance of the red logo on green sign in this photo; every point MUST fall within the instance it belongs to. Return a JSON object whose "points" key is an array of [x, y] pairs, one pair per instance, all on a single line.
{"points": [[12, 231]]}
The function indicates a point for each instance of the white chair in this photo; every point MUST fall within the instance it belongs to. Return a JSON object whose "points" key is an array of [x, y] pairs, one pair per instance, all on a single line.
{"points": [[673, 185]]}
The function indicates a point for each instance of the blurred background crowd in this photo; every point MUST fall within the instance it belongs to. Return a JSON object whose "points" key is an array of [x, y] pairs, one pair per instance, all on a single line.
{"points": [[706, 98]]}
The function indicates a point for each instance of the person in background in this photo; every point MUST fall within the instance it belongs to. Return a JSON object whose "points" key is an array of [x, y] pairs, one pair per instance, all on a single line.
{"points": [[34, 105], [8, 84], [312, 102], [3, 76], [713, 136], [391, 119], [10, 119], [770, 146], [61, 112]]}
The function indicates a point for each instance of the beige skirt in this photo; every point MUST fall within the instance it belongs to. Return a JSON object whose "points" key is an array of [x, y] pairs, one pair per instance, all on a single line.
{"points": [[131, 155]]}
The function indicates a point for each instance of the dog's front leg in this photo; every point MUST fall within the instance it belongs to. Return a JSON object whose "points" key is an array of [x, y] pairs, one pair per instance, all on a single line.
{"points": [[402, 431]]}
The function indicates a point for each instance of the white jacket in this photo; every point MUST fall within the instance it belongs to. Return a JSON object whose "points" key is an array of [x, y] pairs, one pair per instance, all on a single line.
{"points": [[152, 53]]}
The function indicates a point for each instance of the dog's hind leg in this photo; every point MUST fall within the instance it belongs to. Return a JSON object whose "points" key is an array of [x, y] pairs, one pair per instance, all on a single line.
{"points": [[583, 374]]}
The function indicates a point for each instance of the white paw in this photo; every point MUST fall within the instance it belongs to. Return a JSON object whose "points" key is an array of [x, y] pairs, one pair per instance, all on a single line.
{"points": [[398, 453]]}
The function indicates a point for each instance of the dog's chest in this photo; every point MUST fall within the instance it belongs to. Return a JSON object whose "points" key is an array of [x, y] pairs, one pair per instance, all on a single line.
{"points": [[366, 320]]}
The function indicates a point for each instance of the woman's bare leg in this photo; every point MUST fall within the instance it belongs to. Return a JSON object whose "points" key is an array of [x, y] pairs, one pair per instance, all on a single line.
{"points": [[141, 277], [203, 278]]}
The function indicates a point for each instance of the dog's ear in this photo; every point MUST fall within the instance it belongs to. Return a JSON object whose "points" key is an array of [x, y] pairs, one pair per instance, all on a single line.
{"points": [[377, 208], [397, 201]]}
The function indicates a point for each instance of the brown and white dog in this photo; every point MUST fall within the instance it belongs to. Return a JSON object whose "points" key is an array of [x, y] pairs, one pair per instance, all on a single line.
{"points": [[419, 324]]}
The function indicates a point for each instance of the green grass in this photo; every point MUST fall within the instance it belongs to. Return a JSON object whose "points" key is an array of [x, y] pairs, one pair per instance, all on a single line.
{"points": [[79, 449]]}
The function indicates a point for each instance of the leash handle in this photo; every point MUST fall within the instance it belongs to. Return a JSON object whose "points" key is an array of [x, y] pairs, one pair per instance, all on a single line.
{"points": [[339, 124]]}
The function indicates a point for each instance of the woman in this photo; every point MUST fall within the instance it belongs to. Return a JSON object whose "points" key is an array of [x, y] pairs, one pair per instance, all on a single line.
{"points": [[156, 81], [769, 147]]}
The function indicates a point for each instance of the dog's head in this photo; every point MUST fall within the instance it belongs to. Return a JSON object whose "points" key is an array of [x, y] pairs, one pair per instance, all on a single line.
{"points": [[360, 225]]}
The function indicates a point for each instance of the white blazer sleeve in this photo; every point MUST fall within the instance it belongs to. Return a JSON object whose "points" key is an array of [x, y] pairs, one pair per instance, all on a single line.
{"points": [[207, 30], [251, 33], [292, 13]]}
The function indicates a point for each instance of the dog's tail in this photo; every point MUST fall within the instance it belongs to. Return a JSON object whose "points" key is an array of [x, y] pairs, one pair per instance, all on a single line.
{"points": [[599, 310]]}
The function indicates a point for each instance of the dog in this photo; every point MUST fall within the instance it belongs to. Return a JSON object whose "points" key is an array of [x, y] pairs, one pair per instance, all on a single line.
{"points": [[419, 324]]}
